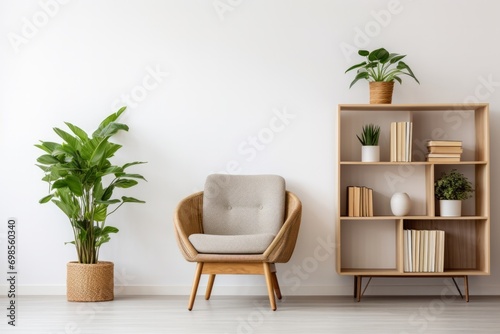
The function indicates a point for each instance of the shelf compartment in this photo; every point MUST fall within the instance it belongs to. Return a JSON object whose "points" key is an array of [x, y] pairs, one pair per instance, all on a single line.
{"points": [[446, 125], [370, 244], [352, 122], [466, 242], [385, 181], [477, 175]]}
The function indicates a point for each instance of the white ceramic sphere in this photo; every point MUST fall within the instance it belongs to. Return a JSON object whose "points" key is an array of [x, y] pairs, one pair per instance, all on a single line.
{"points": [[400, 204]]}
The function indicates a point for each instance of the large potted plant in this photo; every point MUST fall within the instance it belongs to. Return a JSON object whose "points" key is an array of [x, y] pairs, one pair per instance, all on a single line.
{"points": [[381, 68], [451, 189], [81, 181], [370, 151]]}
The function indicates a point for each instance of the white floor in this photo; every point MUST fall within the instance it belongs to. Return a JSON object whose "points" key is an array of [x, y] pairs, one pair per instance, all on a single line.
{"points": [[243, 314]]}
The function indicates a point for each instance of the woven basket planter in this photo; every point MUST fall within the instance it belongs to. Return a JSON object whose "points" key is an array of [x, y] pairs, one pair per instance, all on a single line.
{"points": [[381, 92], [90, 282]]}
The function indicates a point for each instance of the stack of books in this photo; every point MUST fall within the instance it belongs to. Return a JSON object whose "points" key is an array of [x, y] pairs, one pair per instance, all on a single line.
{"points": [[423, 251], [401, 141], [444, 150], [359, 201]]}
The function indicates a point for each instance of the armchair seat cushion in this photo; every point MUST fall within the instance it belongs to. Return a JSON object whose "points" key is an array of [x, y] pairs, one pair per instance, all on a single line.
{"points": [[231, 244]]}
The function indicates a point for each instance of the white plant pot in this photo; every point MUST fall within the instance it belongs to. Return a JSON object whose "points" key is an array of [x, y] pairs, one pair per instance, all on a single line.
{"points": [[450, 208], [400, 204], [370, 153]]}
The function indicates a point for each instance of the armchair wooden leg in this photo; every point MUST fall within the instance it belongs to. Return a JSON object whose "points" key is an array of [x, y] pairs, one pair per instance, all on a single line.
{"points": [[276, 285], [196, 282], [211, 279], [270, 287]]}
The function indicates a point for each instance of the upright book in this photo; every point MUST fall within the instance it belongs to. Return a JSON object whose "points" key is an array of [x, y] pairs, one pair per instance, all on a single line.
{"points": [[401, 141], [359, 201], [423, 250]]}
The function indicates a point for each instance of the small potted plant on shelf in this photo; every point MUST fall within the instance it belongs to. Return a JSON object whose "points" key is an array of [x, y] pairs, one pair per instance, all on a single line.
{"points": [[451, 189], [81, 182], [370, 151], [381, 68]]}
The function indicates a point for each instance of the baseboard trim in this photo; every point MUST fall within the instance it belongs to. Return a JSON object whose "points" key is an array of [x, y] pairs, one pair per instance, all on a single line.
{"points": [[373, 290]]}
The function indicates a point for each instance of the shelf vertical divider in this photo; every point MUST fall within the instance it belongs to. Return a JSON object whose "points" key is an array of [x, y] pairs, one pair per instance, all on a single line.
{"points": [[429, 185], [399, 245]]}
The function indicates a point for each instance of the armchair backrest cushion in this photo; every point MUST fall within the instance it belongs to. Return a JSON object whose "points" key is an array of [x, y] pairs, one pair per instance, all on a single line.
{"points": [[243, 204]]}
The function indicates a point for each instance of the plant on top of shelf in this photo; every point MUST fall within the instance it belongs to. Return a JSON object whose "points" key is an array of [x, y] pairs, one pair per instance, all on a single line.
{"points": [[381, 69], [381, 66], [370, 135], [453, 186]]}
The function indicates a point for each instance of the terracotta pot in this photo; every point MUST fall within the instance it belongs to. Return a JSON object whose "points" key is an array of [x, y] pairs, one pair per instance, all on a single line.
{"points": [[90, 282], [381, 92]]}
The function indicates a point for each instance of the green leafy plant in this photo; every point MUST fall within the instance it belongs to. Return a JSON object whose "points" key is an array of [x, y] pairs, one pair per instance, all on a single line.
{"points": [[453, 186], [370, 135], [380, 65], [82, 179]]}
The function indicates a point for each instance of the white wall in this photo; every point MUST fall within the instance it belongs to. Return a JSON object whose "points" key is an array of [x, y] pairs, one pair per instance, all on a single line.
{"points": [[223, 71]]}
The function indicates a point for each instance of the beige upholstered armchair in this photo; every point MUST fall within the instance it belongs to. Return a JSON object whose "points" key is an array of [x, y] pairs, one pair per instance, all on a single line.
{"points": [[239, 224]]}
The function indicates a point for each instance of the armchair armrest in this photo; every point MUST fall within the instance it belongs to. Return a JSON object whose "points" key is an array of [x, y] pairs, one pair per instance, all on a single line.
{"points": [[281, 249], [188, 220]]}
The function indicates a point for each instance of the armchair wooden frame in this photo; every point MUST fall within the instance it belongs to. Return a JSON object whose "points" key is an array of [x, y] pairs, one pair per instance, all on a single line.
{"points": [[188, 220]]}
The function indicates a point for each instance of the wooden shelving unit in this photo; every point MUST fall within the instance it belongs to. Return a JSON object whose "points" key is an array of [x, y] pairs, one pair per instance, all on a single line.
{"points": [[373, 246]]}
